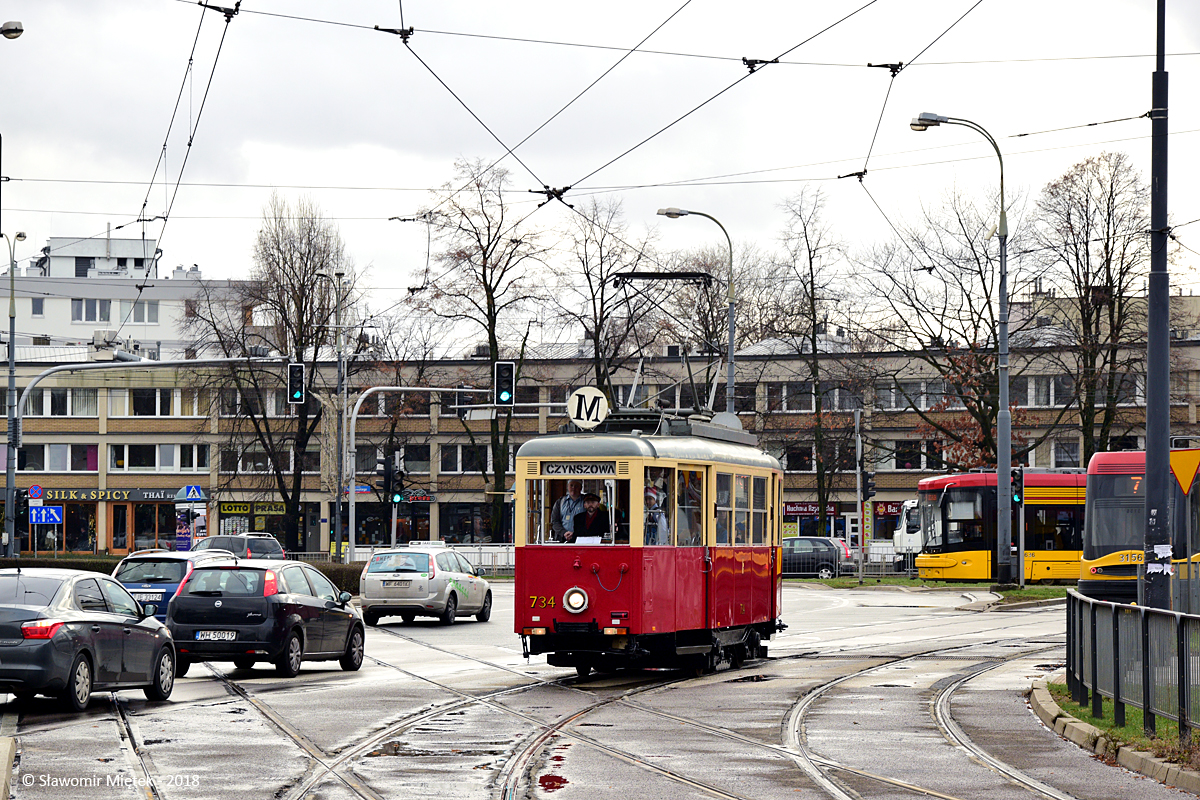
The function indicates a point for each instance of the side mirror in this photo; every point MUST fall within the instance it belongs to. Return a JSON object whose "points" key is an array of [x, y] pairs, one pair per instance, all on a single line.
{"points": [[344, 598], [149, 610]]}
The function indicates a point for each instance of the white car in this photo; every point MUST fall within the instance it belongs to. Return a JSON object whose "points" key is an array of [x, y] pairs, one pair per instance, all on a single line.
{"points": [[424, 579]]}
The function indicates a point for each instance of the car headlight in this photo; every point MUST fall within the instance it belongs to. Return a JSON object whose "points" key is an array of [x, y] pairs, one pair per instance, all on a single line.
{"points": [[575, 600]]}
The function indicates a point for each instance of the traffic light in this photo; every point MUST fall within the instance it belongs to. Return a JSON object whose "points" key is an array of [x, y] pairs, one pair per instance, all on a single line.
{"points": [[1018, 485], [295, 384], [387, 477], [504, 383], [868, 484]]}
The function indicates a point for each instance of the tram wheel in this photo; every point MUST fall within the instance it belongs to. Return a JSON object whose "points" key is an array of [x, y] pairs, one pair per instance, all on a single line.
{"points": [[737, 656]]}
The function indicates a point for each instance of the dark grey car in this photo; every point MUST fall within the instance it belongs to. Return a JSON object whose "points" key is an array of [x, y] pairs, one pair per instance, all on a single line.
{"points": [[66, 632], [811, 556], [279, 612], [244, 545]]}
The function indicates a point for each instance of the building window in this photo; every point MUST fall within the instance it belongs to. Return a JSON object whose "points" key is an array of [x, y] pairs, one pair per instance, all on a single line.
{"points": [[144, 402], [933, 455], [1066, 453], [528, 397], [248, 461], [57, 458], [908, 454], [799, 459], [416, 458], [1117, 443], [37, 307], [189, 308], [89, 309], [464, 457], [310, 461], [795, 396], [122, 262], [744, 396], [141, 311], [193, 458], [82, 265]]}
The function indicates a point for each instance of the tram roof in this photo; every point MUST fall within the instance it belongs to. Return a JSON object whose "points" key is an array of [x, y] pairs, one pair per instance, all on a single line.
{"points": [[1031, 479], [623, 445]]}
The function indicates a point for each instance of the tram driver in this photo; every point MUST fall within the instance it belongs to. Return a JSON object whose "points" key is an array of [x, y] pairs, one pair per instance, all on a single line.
{"points": [[592, 521]]}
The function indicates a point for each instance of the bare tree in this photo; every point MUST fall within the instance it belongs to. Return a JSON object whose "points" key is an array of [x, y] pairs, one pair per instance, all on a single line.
{"points": [[1091, 230], [935, 287], [489, 280], [799, 319], [285, 307], [617, 319]]}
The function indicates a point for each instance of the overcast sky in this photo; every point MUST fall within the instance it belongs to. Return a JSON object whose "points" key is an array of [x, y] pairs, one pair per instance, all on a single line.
{"points": [[307, 97]]}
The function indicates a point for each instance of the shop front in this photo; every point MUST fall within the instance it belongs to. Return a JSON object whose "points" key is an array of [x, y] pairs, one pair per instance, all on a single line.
{"points": [[803, 519], [886, 515], [136, 519], [470, 523], [265, 517], [373, 521]]}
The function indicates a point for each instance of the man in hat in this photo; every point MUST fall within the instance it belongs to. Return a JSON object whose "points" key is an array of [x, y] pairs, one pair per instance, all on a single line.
{"points": [[592, 521]]}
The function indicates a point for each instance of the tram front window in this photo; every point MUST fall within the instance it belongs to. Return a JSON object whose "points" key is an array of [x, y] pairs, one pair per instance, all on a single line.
{"points": [[1114, 517], [957, 519], [552, 504]]}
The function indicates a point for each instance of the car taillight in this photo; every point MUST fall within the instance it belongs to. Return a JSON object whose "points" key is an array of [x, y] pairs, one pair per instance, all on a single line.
{"points": [[41, 628], [270, 584], [186, 575], [363, 576], [247, 552], [432, 571]]}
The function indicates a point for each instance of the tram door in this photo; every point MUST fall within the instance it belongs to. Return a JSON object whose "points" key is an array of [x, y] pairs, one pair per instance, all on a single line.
{"points": [[692, 564]]}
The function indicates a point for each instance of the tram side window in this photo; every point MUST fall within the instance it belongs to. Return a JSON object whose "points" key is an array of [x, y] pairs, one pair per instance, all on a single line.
{"points": [[1052, 528], [724, 507], [741, 515], [690, 514], [658, 502], [759, 526], [535, 508]]}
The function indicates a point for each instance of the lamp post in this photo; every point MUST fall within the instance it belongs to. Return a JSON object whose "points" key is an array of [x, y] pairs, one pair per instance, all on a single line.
{"points": [[923, 122], [10, 488], [11, 30], [675, 213]]}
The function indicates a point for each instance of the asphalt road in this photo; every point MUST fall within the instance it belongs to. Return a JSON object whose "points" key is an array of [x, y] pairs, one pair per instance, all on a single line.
{"points": [[845, 706]]}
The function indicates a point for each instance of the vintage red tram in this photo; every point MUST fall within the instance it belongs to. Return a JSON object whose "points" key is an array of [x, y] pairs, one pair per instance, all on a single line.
{"points": [[688, 572]]}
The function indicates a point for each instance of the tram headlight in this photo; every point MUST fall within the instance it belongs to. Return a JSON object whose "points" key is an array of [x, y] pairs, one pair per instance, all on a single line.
{"points": [[575, 600]]}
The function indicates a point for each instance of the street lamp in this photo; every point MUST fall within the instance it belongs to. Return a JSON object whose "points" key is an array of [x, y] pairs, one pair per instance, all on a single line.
{"points": [[675, 213], [10, 512], [11, 30], [924, 121]]}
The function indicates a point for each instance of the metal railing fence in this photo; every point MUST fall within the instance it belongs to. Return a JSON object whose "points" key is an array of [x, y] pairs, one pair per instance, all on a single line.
{"points": [[1136, 656]]}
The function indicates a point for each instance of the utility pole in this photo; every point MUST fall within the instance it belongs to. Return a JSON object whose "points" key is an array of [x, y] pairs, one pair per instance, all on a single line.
{"points": [[341, 409], [1157, 546]]}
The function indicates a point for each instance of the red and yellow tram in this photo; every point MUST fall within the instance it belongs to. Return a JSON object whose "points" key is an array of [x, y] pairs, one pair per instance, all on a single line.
{"points": [[958, 525], [688, 572]]}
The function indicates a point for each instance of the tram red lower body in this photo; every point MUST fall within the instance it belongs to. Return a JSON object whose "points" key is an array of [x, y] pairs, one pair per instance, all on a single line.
{"points": [[665, 598]]}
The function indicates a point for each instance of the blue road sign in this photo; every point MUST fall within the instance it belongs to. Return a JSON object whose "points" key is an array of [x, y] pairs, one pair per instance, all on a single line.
{"points": [[45, 515], [192, 493]]}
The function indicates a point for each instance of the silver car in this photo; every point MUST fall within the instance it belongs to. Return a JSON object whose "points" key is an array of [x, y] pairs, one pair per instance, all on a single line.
{"points": [[424, 579]]}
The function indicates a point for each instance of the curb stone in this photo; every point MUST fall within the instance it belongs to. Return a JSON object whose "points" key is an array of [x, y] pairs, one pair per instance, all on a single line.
{"points": [[1091, 738], [8, 753]]}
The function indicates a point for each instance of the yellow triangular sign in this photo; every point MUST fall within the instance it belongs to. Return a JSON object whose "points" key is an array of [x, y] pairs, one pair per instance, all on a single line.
{"points": [[1184, 464]]}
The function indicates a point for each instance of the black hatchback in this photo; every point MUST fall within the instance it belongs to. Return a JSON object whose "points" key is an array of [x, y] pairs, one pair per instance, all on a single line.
{"points": [[66, 632], [281, 613]]}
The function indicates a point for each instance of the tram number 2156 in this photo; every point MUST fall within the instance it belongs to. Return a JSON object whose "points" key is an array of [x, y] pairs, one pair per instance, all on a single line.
{"points": [[538, 601]]}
